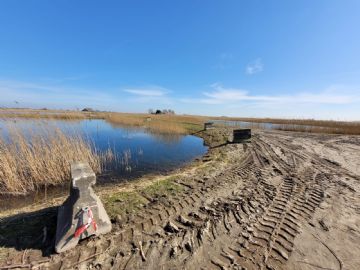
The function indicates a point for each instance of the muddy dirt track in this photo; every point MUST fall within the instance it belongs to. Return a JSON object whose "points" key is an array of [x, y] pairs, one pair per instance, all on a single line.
{"points": [[282, 201]]}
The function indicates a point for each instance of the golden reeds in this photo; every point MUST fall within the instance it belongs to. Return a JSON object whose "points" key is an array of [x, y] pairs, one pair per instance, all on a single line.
{"points": [[49, 114], [174, 124], [300, 125], [336, 129], [170, 124], [33, 160], [183, 124]]}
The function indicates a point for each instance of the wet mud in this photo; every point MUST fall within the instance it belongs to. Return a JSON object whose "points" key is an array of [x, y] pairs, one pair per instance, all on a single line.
{"points": [[283, 200]]}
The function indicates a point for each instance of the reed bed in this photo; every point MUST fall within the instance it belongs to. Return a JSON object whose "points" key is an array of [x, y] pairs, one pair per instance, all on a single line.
{"points": [[252, 125], [50, 114], [342, 129], [29, 161], [168, 124], [184, 124], [300, 125], [126, 119]]}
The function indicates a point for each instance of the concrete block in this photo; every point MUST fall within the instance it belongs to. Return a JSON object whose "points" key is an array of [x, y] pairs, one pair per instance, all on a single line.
{"points": [[82, 214], [240, 135], [208, 125]]}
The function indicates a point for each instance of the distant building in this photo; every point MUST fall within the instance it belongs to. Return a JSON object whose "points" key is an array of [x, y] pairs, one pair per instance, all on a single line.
{"points": [[164, 111], [88, 110]]}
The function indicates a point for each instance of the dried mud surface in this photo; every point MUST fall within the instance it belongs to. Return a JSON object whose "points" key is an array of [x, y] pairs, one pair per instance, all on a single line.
{"points": [[282, 201]]}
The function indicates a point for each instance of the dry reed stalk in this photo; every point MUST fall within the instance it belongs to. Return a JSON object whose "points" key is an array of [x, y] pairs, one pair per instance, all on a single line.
{"points": [[30, 161]]}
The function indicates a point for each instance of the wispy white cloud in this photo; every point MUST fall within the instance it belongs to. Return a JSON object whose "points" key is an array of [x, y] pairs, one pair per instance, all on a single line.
{"points": [[254, 67], [152, 91], [223, 95], [337, 102], [151, 95], [29, 94], [53, 94], [334, 102]]}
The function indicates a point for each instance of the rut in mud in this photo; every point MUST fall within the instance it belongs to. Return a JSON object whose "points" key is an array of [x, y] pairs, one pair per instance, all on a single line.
{"points": [[245, 214]]}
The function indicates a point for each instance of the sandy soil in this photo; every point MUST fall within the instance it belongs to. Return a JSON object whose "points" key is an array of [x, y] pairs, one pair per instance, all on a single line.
{"points": [[283, 201]]}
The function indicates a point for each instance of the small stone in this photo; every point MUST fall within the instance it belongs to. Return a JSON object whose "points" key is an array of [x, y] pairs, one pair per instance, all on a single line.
{"points": [[118, 219], [323, 225]]}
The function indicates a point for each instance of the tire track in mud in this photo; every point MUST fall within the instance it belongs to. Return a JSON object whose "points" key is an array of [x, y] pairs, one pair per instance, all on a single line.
{"points": [[264, 235], [245, 216], [268, 242]]}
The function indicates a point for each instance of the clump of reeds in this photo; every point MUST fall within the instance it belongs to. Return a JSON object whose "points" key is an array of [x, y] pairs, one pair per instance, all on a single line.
{"points": [[336, 129], [49, 114], [302, 125], [126, 119], [170, 124], [29, 161], [126, 160]]}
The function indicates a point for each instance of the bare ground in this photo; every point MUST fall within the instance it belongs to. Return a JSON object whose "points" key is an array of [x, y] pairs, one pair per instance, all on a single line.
{"points": [[284, 201]]}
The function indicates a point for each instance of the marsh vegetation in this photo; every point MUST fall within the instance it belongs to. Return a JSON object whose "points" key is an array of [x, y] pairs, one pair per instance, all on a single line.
{"points": [[33, 160], [185, 124], [37, 153], [298, 125]]}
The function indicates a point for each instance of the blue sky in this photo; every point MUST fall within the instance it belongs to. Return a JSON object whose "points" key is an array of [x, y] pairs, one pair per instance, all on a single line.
{"points": [[274, 58]]}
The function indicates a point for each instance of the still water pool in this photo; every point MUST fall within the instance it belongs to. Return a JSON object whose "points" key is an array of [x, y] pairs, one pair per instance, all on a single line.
{"points": [[145, 151]]}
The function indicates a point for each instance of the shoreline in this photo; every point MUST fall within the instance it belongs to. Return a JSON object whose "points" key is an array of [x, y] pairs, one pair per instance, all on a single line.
{"points": [[300, 188], [124, 185]]}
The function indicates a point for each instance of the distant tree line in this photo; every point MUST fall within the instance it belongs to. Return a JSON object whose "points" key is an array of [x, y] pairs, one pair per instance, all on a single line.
{"points": [[164, 111]]}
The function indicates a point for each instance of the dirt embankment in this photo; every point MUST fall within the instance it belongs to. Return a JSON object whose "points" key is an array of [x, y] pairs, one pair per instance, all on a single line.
{"points": [[283, 201]]}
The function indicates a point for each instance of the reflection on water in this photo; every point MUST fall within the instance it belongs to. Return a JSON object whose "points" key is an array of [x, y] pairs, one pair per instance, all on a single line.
{"points": [[138, 151], [163, 137], [142, 149]]}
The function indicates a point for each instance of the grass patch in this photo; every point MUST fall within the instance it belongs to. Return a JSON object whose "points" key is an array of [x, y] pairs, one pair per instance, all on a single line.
{"points": [[192, 127], [129, 202], [162, 188], [122, 203]]}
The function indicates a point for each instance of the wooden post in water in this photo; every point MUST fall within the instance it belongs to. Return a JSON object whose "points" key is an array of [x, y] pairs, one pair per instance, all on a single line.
{"points": [[82, 214]]}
